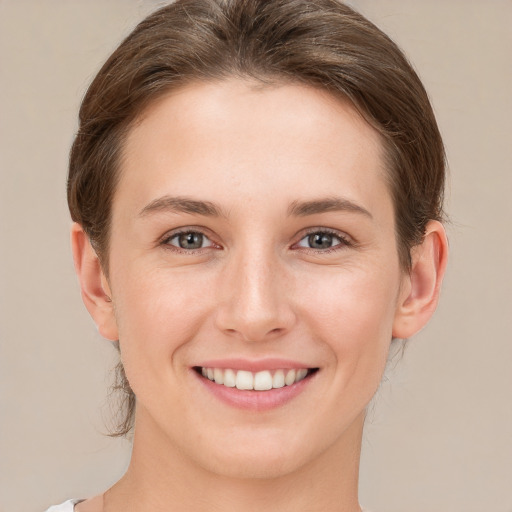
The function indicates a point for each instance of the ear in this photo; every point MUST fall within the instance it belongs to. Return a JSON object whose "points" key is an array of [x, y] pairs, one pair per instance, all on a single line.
{"points": [[420, 291], [93, 283]]}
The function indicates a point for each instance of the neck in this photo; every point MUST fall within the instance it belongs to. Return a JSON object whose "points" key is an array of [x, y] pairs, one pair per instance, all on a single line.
{"points": [[160, 480]]}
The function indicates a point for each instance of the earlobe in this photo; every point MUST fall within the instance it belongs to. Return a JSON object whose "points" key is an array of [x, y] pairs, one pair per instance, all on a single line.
{"points": [[93, 283], [419, 298]]}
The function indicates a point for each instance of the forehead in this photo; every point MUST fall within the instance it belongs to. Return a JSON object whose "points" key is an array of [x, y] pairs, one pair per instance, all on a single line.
{"points": [[238, 138]]}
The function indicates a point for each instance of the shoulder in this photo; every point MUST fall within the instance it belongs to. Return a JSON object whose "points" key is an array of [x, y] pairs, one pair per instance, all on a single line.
{"points": [[67, 506]]}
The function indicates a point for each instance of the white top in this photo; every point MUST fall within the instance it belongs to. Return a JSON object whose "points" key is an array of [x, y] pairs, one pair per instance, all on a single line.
{"points": [[67, 506]]}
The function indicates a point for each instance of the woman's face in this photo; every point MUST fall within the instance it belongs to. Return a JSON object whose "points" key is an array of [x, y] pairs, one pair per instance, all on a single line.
{"points": [[253, 238]]}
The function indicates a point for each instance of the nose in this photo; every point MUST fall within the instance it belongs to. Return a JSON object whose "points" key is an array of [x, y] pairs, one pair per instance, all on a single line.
{"points": [[254, 297]]}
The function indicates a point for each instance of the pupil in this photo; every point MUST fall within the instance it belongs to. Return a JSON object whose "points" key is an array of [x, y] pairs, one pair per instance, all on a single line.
{"points": [[191, 240], [320, 241]]}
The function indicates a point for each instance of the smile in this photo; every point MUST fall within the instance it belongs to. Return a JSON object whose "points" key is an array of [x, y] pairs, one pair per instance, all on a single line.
{"points": [[255, 386], [258, 381]]}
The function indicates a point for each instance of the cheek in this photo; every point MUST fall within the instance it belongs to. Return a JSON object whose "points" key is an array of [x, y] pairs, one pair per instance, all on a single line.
{"points": [[353, 314], [157, 312], [353, 298]]}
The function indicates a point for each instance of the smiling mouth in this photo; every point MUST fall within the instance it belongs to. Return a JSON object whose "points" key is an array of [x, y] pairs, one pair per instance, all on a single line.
{"points": [[257, 381]]}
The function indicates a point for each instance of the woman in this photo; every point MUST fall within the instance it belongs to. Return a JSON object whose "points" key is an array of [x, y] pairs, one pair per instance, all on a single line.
{"points": [[257, 196]]}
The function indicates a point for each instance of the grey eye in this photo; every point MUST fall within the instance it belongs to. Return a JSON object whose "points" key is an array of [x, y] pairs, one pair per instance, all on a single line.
{"points": [[190, 240], [321, 240]]}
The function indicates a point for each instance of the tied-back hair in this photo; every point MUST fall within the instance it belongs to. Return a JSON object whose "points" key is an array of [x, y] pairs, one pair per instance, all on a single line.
{"points": [[320, 43]]}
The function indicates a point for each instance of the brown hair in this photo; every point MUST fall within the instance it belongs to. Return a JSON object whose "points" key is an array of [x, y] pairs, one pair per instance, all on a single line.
{"points": [[323, 43]]}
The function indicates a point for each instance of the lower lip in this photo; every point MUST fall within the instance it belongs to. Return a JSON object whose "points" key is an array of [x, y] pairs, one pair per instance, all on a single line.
{"points": [[255, 400]]}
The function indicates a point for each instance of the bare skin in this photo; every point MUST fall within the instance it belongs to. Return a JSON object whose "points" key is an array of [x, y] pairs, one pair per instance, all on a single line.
{"points": [[95, 504], [252, 224]]}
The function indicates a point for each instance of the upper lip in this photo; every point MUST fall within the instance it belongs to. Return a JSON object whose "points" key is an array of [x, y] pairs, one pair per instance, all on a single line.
{"points": [[253, 365]]}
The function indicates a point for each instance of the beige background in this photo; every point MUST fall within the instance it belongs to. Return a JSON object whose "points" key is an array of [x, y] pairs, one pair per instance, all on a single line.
{"points": [[439, 437]]}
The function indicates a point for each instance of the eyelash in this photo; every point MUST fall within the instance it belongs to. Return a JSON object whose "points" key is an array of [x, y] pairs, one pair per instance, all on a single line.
{"points": [[344, 241], [191, 231]]}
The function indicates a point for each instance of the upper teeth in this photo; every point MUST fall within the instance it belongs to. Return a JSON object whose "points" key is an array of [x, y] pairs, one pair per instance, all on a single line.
{"points": [[259, 381]]}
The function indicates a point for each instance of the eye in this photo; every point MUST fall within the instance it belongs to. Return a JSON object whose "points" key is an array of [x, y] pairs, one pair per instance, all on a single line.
{"points": [[189, 240], [322, 240]]}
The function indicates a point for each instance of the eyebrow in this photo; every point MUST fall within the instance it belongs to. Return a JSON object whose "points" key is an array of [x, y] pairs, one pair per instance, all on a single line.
{"points": [[209, 209], [182, 205], [328, 204]]}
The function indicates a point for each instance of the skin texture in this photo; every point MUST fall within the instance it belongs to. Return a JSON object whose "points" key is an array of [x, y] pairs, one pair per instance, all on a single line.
{"points": [[255, 290]]}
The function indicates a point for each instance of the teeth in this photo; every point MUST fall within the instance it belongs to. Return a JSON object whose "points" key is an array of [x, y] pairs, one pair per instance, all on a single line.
{"points": [[278, 379], [244, 380], [218, 376], [263, 381], [229, 378], [259, 381], [300, 374], [290, 378]]}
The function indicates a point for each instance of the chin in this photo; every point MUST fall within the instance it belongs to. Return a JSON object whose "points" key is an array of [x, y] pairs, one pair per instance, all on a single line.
{"points": [[266, 454], [253, 466]]}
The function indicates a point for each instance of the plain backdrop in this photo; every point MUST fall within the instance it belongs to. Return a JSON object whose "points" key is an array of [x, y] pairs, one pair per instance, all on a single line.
{"points": [[439, 433]]}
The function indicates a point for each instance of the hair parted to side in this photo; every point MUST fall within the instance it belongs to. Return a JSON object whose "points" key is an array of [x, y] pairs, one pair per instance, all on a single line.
{"points": [[322, 43]]}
